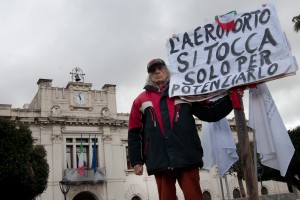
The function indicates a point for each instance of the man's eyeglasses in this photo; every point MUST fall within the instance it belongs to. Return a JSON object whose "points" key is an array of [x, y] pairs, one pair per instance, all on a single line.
{"points": [[155, 67]]}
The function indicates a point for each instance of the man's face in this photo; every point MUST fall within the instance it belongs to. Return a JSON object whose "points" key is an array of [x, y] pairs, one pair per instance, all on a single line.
{"points": [[158, 74]]}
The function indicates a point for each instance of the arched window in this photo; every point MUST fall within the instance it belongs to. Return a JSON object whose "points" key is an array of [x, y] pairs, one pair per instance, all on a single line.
{"points": [[236, 193], [207, 195], [264, 190], [136, 198]]}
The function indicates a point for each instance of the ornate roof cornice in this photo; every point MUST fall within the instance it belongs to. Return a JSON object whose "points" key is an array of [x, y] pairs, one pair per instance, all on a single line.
{"points": [[71, 121]]}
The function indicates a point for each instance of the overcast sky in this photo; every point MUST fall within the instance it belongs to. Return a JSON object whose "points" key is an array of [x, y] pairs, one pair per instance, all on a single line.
{"points": [[112, 41]]}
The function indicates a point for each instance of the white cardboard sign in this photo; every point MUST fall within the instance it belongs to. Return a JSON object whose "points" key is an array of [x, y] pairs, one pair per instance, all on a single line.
{"points": [[208, 60]]}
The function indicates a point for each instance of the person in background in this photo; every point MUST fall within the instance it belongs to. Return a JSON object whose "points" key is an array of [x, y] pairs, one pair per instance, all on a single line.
{"points": [[162, 134]]}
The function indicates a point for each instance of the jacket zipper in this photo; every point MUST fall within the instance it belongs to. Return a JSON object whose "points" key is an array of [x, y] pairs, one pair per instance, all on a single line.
{"points": [[177, 109], [146, 148]]}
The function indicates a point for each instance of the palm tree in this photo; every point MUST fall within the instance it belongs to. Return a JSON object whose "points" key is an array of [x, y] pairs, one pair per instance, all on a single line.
{"points": [[296, 21]]}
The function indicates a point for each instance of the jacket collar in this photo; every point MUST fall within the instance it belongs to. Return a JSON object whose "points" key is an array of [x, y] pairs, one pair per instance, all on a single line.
{"points": [[163, 90]]}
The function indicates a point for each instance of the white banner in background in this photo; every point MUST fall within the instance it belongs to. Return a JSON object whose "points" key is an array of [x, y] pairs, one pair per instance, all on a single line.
{"points": [[273, 142], [218, 145]]}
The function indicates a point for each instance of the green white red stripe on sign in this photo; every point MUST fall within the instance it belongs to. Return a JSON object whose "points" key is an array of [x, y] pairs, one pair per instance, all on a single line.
{"points": [[226, 21]]}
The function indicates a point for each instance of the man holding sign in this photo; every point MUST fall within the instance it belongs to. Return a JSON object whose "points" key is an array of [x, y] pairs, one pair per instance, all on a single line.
{"points": [[163, 135]]}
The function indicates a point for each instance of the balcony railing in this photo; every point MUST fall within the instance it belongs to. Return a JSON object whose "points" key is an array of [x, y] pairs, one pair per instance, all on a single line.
{"points": [[91, 176]]}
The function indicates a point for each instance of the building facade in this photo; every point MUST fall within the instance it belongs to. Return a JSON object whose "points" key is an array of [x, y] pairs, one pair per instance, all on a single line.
{"points": [[75, 118]]}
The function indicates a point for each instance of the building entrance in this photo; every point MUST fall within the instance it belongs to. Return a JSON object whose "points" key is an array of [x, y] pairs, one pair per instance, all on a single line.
{"points": [[84, 196]]}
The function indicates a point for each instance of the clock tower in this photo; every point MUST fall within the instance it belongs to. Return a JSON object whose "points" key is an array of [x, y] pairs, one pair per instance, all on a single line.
{"points": [[77, 98]]}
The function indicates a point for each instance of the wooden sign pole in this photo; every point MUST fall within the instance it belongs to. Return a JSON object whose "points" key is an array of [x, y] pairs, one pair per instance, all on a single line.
{"points": [[243, 138]]}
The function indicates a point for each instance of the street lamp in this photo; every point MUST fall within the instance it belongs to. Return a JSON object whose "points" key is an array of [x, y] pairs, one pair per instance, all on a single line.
{"points": [[64, 185]]}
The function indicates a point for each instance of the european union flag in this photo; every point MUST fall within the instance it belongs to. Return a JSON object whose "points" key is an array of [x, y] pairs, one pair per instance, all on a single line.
{"points": [[94, 160]]}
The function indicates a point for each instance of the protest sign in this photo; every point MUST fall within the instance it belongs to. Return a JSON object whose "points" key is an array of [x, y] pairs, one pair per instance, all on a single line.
{"points": [[209, 60]]}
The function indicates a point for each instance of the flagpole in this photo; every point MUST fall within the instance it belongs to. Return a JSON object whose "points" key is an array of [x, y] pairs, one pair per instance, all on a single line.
{"points": [[243, 138], [221, 184], [89, 155]]}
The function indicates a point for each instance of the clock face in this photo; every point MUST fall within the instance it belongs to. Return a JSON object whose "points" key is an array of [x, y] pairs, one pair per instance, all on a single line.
{"points": [[80, 98]]}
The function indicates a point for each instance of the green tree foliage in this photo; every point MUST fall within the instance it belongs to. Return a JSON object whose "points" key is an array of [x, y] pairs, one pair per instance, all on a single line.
{"points": [[296, 21], [23, 167]]}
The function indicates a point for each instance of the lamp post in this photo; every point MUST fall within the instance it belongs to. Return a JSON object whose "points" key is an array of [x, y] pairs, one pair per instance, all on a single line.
{"points": [[64, 185]]}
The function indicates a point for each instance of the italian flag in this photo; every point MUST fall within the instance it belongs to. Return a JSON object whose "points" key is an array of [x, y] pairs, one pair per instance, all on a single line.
{"points": [[80, 169], [226, 21]]}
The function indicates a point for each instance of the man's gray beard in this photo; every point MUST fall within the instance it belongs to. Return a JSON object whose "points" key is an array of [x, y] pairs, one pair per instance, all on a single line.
{"points": [[161, 83]]}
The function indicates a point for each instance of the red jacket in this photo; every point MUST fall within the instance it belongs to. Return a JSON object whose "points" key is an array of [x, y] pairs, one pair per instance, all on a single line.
{"points": [[162, 131]]}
